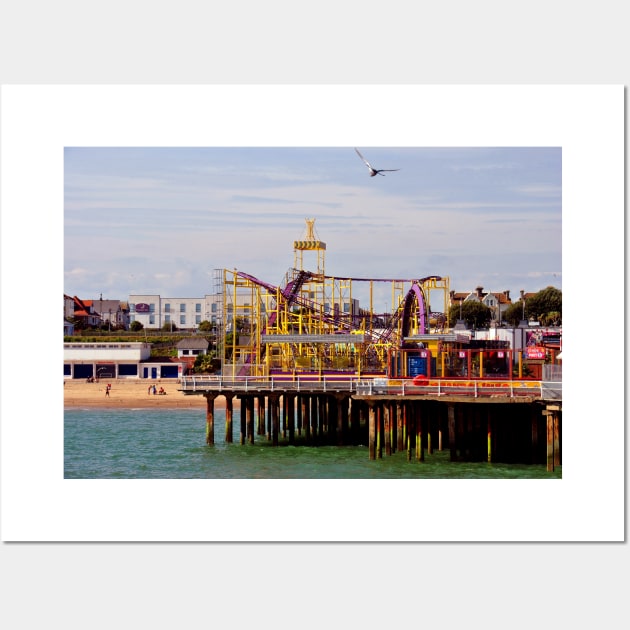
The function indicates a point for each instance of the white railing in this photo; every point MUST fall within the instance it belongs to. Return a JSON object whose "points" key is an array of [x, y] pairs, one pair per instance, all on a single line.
{"points": [[478, 388], [447, 387], [268, 383]]}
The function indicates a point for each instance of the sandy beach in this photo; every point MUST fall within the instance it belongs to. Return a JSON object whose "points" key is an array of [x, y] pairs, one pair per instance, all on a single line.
{"points": [[132, 393]]}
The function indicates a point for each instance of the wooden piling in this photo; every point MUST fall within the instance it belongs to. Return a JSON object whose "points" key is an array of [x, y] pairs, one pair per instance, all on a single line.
{"points": [[243, 423], [534, 420], [291, 418], [284, 423], [274, 403], [249, 414], [550, 444], [210, 418], [393, 425], [372, 431], [429, 426], [419, 442], [452, 432], [556, 438], [552, 414], [345, 404], [379, 432], [489, 421], [269, 421], [322, 411], [439, 430], [314, 436], [387, 429], [260, 416], [405, 422], [400, 444], [467, 433], [229, 418], [357, 413], [306, 418], [339, 428], [298, 411]]}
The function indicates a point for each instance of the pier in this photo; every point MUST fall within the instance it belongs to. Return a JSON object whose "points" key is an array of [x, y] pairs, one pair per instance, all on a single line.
{"points": [[309, 365], [512, 421]]}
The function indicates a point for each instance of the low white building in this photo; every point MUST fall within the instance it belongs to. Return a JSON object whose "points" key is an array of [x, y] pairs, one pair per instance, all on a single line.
{"points": [[104, 360]]}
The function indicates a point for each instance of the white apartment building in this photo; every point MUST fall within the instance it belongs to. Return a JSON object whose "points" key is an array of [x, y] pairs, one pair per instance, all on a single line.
{"points": [[154, 311]]}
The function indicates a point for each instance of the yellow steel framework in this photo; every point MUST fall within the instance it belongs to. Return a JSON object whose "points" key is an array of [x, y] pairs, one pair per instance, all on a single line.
{"points": [[312, 322]]}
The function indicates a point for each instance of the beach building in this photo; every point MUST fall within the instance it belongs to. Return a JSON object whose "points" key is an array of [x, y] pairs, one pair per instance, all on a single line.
{"points": [[119, 360], [104, 360]]}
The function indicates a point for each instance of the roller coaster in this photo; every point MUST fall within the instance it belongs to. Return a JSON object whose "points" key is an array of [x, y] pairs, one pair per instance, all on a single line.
{"points": [[311, 323]]}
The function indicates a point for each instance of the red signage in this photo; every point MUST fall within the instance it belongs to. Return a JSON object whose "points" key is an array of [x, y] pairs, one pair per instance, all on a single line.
{"points": [[142, 308], [535, 352]]}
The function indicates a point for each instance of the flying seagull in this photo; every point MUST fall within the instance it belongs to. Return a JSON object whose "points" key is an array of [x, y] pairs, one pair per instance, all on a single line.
{"points": [[375, 171]]}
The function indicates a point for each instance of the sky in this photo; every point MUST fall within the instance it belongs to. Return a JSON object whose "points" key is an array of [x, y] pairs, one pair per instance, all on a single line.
{"points": [[160, 220]]}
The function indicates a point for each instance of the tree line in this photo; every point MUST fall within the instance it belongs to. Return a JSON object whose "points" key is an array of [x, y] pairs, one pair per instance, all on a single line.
{"points": [[544, 307]]}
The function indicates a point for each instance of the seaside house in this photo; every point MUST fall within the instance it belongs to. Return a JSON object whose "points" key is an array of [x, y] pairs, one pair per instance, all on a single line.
{"points": [[498, 303], [189, 349], [82, 311], [68, 314], [93, 313], [115, 313]]}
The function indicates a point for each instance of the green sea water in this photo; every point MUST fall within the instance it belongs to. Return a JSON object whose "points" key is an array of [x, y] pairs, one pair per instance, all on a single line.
{"points": [[170, 444]]}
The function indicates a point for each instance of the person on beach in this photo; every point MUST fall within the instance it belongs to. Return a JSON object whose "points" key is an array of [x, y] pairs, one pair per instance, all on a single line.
{"points": [[107, 391], [149, 390]]}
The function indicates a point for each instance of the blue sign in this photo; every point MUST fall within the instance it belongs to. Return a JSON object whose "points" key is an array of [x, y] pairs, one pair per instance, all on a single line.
{"points": [[416, 365]]}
